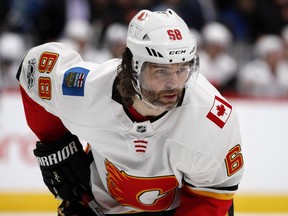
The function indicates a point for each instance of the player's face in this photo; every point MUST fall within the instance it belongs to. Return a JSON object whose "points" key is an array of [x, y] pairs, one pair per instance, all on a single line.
{"points": [[162, 84]]}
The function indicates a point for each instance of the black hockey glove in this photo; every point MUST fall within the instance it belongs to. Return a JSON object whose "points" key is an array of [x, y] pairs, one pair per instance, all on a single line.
{"points": [[74, 209], [65, 167]]}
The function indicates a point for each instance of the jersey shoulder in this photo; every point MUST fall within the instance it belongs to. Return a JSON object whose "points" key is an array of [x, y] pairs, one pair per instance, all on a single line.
{"points": [[210, 119], [205, 100], [205, 132], [56, 77], [45, 61], [87, 77]]}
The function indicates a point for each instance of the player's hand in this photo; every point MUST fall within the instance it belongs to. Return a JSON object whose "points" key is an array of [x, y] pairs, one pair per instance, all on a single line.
{"points": [[64, 166]]}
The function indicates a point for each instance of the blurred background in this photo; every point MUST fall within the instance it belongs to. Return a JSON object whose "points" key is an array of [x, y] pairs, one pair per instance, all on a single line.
{"points": [[243, 48]]}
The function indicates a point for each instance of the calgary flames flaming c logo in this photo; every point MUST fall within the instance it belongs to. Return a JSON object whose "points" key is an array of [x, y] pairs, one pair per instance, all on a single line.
{"points": [[143, 193]]}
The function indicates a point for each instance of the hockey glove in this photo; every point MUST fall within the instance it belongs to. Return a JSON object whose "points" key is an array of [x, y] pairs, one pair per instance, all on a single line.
{"points": [[64, 166], [74, 209]]}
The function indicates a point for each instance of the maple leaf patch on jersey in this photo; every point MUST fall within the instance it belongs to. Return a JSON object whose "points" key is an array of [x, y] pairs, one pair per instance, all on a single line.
{"points": [[219, 112], [74, 81]]}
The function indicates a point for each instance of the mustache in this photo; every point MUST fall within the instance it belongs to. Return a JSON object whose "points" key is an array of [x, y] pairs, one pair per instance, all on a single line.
{"points": [[164, 92], [170, 91]]}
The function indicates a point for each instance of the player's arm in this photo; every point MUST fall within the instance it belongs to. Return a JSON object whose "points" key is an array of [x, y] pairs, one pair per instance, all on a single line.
{"points": [[214, 198], [210, 182], [204, 203], [210, 189], [60, 155]]}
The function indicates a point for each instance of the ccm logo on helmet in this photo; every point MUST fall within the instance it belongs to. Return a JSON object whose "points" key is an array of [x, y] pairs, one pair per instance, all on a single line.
{"points": [[177, 52], [58, 156]]}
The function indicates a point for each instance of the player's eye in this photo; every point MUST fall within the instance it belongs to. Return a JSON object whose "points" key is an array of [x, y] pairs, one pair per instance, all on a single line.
{"points": [[161, 73]]}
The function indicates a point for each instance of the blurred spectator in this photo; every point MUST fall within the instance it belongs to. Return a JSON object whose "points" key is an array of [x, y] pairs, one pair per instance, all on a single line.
{"points": [[203, 11], [269, 17], [12, 50], [4, 9], [198, 38], [122, 11], [284, 36], [164, 4], [267, 74], [78, 9], [78, 35], [18, 15], [237, 16], [39, 21], [115, 39], [216, 64], [49, 20], [146, 4], [100, 19], [100, 11]]}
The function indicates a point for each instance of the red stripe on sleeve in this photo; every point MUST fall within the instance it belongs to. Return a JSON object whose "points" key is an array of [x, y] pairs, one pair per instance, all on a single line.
{"points": [[199, 205], [46, 126]]}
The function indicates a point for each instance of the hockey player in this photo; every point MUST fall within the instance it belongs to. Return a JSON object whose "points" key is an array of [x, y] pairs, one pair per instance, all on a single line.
{"points": [[162, 140]]}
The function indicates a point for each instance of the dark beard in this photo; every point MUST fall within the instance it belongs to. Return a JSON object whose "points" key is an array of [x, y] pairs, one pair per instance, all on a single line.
{"points": [[154, 98]]}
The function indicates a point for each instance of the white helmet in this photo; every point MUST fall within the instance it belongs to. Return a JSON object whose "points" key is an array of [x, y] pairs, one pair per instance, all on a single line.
{"points": [[12, 46], [215, 32], [268, 43], [160, 37]]}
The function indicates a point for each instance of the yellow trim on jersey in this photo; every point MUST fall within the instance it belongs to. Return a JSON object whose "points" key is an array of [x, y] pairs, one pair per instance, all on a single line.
{"points": [[226, 196], [36, 202]]}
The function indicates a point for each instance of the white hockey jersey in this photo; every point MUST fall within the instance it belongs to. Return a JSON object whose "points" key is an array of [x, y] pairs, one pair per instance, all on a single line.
{"points": [[138, 166]]}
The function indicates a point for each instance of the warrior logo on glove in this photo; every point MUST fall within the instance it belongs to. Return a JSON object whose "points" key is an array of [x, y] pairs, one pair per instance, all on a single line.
{"points": [[58, 156]]}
